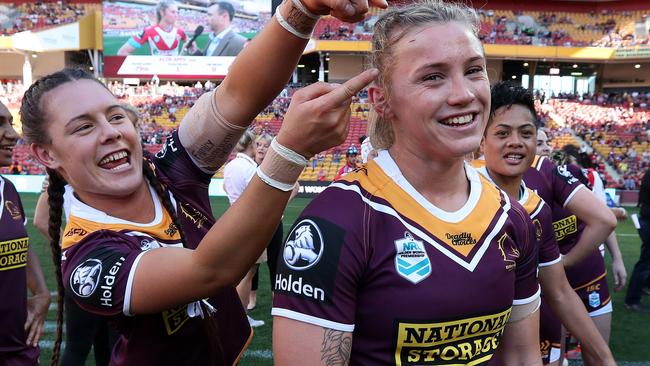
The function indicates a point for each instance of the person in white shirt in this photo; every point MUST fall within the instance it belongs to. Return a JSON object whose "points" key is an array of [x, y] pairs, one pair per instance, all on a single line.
{"points": [[236, 176]]}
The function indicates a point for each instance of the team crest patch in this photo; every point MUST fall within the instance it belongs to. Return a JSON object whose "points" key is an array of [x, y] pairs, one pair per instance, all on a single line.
{"points": [[304, 246], [411, 259], [85, 277], [14, 211]]}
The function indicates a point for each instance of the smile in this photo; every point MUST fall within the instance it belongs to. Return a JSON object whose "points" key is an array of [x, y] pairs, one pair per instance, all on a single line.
{"points": [[458, 121], [115, 161], [515, 158]]}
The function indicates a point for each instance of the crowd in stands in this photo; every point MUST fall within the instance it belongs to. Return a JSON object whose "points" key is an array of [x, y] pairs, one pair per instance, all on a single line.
{"points": [[599, 29], [39, 15], [615, 127]]}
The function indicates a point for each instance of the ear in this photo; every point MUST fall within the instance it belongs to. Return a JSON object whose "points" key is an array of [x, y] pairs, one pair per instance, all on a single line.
{"points": [[379, 99], [481, 147], [44, 156]]}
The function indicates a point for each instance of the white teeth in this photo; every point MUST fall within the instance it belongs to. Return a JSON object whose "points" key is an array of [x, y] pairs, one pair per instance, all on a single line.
{"points": [[458, 121], [113, 157], [514, 156], [121, 166]]}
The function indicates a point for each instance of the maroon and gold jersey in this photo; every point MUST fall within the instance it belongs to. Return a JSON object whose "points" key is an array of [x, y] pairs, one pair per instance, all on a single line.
{"points": [[100, 257], [14, 244], [541, 215], [416, 285]]}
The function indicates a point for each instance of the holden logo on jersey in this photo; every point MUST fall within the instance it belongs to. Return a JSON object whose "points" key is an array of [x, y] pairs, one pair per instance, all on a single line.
{"points": [[85, 277], [304, 246], [411, 259]]}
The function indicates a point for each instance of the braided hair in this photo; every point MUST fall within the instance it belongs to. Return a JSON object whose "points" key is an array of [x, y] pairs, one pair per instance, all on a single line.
{"points": [[34, 124]]}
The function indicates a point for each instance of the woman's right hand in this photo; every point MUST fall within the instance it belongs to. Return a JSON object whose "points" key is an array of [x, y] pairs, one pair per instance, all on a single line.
{"points": [[351, 11], [318, 117]]}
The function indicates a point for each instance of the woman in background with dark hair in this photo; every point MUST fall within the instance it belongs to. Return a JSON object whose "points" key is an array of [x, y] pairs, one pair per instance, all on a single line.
{"points": [[22, 317]]}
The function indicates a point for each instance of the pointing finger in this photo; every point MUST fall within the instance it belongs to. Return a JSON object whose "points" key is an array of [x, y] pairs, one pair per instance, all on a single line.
{"points": [[349, 89]]}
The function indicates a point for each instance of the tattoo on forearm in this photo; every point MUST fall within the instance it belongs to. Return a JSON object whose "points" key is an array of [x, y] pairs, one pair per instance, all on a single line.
{"points": [[336, 348], [297, 19], [211, 155]]}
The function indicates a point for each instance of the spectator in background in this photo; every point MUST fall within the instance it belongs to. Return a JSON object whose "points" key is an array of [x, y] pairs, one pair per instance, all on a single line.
{"points": [[350, 162], [641, 271], [163, 37], [236, 176], [224, 41]]}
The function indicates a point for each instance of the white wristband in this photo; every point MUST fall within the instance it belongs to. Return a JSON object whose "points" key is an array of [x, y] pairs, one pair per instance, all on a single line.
{"points": [[287, 153], [304, 10], [289, 27], [272, 182]]}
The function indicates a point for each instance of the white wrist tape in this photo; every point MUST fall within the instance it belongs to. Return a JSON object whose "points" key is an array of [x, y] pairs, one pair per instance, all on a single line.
{"points": [[298, 4], [281, 167], [280, 18], [272, 182], [288, 153]]}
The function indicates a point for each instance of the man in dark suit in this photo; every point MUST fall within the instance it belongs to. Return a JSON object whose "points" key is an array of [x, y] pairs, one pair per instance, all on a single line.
{"points": [[641, 272], [224, 41]]}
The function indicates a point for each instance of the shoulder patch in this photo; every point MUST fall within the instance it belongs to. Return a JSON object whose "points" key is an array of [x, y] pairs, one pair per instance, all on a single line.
{"points": [[310, 260], [85, 277], [304, 246]]}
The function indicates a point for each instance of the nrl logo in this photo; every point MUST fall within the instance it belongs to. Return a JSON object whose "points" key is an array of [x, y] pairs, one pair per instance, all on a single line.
{"points": [[411, 259]]}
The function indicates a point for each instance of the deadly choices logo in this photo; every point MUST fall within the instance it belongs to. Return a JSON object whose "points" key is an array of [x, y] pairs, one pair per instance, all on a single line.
{"points": [[85, 277], [304, 246]]}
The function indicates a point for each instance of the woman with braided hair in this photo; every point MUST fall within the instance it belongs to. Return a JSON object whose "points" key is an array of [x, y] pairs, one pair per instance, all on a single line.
{"points": [[141, 246]]}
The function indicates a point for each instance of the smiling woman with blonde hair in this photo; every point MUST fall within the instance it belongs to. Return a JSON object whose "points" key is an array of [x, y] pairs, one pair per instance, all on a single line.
{"points": [[415, 259]]}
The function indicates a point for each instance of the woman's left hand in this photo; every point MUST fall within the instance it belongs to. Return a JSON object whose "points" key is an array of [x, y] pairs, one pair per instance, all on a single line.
{"points": [[37, 307]]}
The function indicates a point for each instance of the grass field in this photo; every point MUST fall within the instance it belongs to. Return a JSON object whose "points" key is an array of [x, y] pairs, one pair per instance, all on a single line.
{"points": [[630, 331]]}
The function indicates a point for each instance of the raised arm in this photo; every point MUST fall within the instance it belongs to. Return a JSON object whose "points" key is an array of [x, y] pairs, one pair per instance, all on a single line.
{"points": [[317, 119], [252, 84]]}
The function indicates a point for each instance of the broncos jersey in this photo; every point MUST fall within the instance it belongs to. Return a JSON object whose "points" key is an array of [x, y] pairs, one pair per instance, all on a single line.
{"points": [[14, 245], [588, 277], [100, 257], [416, 285], [550, 326], [557, 185], [161, 42], [542, 217]]}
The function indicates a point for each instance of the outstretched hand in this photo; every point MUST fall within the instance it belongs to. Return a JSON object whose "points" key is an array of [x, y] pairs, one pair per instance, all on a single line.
{"points": [[351, 11], [318, 117]]}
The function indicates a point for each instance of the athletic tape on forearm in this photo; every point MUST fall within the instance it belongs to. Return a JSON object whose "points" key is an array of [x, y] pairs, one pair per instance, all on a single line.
{"points": [[298, 4], [207, 135], [297, 20], [279, 169], [520, 312]]}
